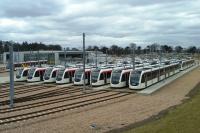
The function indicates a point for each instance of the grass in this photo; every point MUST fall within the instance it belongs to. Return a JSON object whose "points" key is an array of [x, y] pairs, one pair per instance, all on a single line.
{"points": [[185, 118]]}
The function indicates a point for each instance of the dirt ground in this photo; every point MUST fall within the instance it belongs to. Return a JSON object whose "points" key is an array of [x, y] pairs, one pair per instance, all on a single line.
{"points": [[113, 115]]}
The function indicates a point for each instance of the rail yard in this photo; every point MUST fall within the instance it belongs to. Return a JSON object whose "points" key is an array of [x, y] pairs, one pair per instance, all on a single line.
{"points": [[99, 107]]}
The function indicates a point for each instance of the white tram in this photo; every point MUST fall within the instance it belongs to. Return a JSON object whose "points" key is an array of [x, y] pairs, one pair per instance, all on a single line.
{"points": [[22, 74], [187, 64], [100, 76], [35, 74], [65, 75], [120, 77], [142, 78], [50, 74], [79, 78]]}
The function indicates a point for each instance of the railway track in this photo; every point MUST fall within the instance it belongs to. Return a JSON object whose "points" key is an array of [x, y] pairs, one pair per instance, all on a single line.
{"points": [[60, 108], [53, 101], [42, 95], [6, 85], [17, 88], [25, 89]]}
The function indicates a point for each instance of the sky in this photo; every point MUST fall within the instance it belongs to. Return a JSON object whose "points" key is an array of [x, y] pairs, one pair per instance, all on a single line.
{"points": [[105, 22]]}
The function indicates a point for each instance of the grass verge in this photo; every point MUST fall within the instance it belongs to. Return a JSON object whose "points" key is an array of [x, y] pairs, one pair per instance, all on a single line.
{"points": [[184, 118]]}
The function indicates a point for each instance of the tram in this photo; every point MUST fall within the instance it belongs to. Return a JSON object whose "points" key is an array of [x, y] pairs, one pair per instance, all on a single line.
{"points": [[65, 75], [36, 74], [100, 76]]}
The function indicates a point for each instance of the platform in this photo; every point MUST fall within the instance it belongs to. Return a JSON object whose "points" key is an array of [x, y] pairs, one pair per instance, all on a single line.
{"points": [[165, 82]]}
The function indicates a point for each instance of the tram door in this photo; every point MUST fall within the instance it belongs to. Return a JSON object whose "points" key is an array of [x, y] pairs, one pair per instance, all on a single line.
{"points": [[127, 78], [158, 75], [165, 72], [70, 76], [87, 77], [39, 73], [105, 78], [145, 80], [54, 74]]}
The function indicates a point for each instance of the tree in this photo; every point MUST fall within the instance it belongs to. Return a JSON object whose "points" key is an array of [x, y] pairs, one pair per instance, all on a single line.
{"points": [[89, 48], [166, 48], [138, 50], [154, 47], [1, 47], [104, 49], [178, 49], [75, 49], [114, 49], [127, 50], [192, 49], [96, 48]]}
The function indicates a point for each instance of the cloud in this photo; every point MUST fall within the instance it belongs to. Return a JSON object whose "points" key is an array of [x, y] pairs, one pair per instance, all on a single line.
{"points": [[29, 8], [174, 22]]}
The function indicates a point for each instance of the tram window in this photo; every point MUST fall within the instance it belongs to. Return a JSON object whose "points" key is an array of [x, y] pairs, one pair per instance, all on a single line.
{"points": [[162, 71], [73, 73], [123, 78], [153, 74], [108, 75], [101, 76], [37, 74], [70, 74], [25, 73], [143, 78], [86, 75], [66, 75], [156, 73], [54, 74], [149, 76]]}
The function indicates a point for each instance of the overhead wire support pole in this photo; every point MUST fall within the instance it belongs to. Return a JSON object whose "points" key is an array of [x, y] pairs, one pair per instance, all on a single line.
{"points": [[106, 57], [133, 54], [96, 57], [38, 58], [65, 58], [198, 55], [11, 66], [160, 60], [84, 87], [18, 55]]}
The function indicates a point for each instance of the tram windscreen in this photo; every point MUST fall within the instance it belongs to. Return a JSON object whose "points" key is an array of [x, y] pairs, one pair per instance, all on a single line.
{"points": [[135, 78], [60, 74], [31, 72], [95, 75], [47, 73], [19, 73], [116, 76], [78, 75]]}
